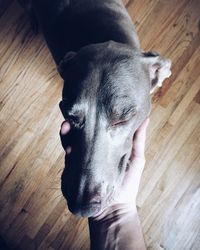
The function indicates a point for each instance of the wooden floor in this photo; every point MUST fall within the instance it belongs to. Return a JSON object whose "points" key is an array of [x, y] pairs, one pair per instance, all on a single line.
{"points": [[33, 213]]}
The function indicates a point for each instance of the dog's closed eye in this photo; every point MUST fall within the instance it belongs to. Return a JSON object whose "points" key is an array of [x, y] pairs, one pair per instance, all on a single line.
{"points": [[123, 116], [119, 123]]}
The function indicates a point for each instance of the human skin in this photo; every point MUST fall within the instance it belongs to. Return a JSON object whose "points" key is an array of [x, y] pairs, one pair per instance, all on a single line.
{"points": [[117, 226]]}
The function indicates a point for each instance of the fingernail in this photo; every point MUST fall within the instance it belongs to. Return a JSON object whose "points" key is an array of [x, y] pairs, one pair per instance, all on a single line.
{"points": [[68, 150]]}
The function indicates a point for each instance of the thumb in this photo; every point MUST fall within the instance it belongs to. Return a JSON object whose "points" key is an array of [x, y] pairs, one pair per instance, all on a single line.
{"points": [[139, 141]]}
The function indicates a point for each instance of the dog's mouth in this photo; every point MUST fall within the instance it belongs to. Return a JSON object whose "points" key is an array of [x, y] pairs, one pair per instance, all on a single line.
{"points": [[89, 204], [84, 210]]}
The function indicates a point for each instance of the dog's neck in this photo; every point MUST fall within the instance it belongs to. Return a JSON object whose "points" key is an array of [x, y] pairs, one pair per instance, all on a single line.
{"points": [[75, 26]]}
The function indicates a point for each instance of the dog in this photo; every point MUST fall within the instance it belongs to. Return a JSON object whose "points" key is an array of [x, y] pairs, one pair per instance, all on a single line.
{"points": [[106, 95]]}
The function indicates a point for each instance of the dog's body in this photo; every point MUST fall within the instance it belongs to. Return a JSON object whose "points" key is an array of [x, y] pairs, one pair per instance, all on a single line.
{"points": [[69, 25], [105, 95]]}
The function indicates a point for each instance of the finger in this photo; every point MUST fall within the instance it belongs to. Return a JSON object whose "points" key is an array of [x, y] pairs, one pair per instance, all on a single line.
{"points": [[139, 140], [64, 130], [68, 150], [65, 127]]}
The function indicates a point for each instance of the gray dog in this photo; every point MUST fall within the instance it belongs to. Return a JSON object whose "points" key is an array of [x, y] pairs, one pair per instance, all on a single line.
{"points": [[106, 94]]}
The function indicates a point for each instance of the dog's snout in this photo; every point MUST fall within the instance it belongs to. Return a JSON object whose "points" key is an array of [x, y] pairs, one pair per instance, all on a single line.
{"points": [[92, 199], [88, 205], [84, 210]]}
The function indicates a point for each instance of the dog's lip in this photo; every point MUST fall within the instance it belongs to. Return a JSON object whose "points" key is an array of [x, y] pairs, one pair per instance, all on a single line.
{"points": [[83, 205], [90, 205], [85, 209]]}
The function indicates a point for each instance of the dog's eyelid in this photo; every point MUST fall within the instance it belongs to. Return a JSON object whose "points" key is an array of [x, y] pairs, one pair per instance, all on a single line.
{"points": [[125, 117], [130, 111], [125, 114], [117, 123]]}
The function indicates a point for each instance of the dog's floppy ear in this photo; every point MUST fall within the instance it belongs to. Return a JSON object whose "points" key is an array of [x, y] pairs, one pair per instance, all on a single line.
{"points": [[159, 68], [64, 63]]}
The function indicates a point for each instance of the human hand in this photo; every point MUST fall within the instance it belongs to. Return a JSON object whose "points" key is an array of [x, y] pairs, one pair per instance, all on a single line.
{"points": [[64, 130], [124, 199], [128, 191]]}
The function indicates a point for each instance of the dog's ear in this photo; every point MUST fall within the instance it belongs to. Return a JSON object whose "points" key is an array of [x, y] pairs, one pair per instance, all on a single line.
{"points": [[159, 68], [65, 62]]}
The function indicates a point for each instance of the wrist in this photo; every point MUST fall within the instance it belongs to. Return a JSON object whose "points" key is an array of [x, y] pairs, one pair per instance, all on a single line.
{"points": [[116, 227]]}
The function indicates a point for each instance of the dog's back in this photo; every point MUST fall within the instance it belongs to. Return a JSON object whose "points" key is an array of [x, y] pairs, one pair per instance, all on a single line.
{"points": [[71, 24]]}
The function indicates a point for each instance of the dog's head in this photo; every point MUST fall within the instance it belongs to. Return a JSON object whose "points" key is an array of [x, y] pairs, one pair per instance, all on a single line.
{"points": [[106, 96]]}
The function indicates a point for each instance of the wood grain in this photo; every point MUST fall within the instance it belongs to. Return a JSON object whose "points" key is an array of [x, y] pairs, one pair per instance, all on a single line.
{"points": [[33, 213]]}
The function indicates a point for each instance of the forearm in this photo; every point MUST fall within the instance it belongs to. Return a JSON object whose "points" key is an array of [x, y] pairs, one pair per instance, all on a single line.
{"points": [[118, 229]]}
